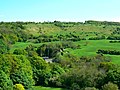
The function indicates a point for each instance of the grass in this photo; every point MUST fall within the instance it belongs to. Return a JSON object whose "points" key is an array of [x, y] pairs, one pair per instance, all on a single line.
{"points": [[20, 45], [90, 47], [115, 58], [46, 88], [81, 30]]}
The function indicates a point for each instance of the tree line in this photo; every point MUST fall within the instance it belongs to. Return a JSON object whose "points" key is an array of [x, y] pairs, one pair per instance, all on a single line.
{"points": [[111, 52]]}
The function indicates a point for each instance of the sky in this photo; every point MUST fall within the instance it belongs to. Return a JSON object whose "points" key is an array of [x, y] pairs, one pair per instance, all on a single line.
{"points": [[60, 10]]}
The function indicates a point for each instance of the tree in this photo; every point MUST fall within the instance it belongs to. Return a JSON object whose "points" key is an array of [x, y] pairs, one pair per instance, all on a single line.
{"points": [[84, 75], [113, 75], [23, 78], [41, 70], [56, 71], [23, 75], [3, 46], [18, 68]]}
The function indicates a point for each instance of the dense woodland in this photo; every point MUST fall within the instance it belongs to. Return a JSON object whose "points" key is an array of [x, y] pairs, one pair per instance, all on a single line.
{"points": [[25, 67]]}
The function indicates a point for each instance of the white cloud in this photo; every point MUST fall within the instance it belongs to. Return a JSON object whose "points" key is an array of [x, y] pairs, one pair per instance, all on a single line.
{"points": [[117, 19]]}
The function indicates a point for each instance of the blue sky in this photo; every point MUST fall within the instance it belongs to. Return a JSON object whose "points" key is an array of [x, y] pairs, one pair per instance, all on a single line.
{"points": [[62, 10]]}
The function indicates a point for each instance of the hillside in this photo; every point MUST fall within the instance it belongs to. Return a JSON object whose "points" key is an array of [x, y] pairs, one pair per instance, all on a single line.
{"points": [[82, 55]]}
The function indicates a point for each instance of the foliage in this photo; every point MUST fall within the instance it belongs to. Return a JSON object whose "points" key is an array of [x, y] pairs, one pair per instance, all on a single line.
{"points": [[23, 75], [97, 38], [90, 88], [111, 52], [113, 75], [114, 41], [75, 86], [110, 86], [51, 50], [5, 82], [113, 37], [101, 22], [40, 70], [55, 79], [72, 46], [19, 52], [3, 46], [18, 87], [84, 78]]}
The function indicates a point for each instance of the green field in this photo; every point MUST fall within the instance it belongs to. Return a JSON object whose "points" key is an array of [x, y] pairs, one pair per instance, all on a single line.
{"points": [[90, 47], [82, 30], [46, 88]]}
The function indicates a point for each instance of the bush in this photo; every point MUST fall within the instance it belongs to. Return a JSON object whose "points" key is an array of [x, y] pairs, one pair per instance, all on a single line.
{"points": [[110, 86], [18, 87], [111, 52], [75, 86]]}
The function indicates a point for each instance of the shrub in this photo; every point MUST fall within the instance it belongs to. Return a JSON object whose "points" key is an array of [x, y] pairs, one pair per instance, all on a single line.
{"points": [[18, 87], [75, 86], [110, 86]]}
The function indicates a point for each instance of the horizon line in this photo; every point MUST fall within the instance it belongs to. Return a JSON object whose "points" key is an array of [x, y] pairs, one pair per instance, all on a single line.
{"points": [[59, 21]]}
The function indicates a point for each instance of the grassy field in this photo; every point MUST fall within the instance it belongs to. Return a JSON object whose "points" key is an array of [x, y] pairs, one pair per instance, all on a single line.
{"points": [[46, 88], [20, 45], [81, 30], [90, 47]]}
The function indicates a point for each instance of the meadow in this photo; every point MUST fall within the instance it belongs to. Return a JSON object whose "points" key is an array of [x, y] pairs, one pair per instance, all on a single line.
{"points": [[90, 47]]}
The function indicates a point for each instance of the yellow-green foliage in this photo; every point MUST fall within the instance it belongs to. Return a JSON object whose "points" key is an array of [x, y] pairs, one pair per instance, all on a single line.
{"points": [[110, 86], [18, 87]]}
